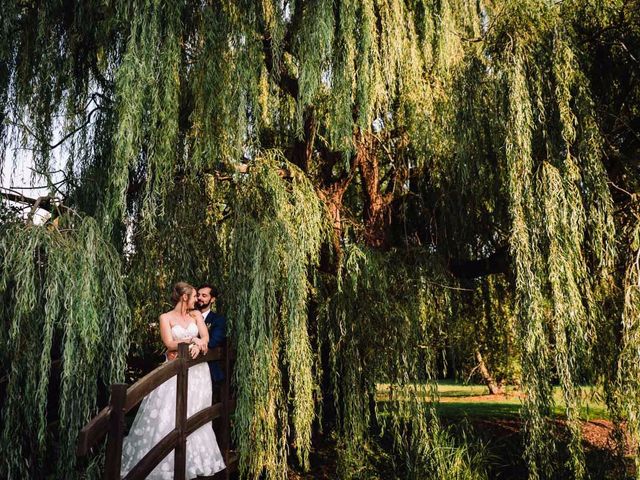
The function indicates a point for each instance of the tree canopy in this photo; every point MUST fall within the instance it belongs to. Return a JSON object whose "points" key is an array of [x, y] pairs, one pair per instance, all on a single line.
{"points": [[361, 177]]}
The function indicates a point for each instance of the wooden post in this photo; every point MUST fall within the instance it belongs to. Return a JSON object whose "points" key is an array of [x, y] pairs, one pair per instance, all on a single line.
{"points": [[226, 420], [113, 455], [182, 388]]}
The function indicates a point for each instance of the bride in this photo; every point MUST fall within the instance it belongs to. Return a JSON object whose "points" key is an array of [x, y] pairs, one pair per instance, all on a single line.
{"points": [[156, 416]]}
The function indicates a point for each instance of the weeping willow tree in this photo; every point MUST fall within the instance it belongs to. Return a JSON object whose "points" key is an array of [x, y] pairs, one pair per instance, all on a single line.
{"points": [[377, 293], [562, 212], [345, 169]]}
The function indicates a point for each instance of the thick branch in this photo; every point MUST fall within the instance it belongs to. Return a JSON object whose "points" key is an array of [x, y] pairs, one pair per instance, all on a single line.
{"points": [[376, 203], [302, 150], [44, 203], [492, 385]]}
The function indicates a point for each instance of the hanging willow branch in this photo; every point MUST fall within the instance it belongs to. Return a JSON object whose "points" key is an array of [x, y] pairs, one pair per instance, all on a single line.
{"points": [[552, 188], [277, 229], [628, 396], [63, 298], [379, 325]]}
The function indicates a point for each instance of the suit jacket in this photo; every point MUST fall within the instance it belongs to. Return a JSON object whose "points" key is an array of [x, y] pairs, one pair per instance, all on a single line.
{"points": [[217, 326]]}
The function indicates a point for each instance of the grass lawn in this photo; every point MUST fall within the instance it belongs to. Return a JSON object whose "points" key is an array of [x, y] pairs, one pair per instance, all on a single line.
{"points": [[457, 399]]}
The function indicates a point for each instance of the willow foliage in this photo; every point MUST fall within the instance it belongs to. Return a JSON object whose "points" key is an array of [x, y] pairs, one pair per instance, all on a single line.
{"points": [[215, 141], [553, 148], [380, 326], [147, 93], [63, 301], [629, 363], [278, 227]]}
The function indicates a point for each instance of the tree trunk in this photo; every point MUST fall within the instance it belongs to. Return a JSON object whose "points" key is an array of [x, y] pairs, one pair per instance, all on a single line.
{"points": [[332, 197], [494, 388], [331, 193], [375, 202]]}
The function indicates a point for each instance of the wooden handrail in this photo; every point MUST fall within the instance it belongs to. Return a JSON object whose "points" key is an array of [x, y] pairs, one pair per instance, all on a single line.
{"points": [[166, 444], [116, 431], [97, 428], [182, 389], [111, 418], [148, 383]]}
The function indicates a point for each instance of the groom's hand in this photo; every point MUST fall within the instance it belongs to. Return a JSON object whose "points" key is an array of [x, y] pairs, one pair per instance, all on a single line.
{"points": [[172, 354], [202, 345]]}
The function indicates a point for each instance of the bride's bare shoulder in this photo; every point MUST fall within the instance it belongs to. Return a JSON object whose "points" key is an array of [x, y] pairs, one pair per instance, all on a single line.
{"points": [[196, 315], [165, 317]]}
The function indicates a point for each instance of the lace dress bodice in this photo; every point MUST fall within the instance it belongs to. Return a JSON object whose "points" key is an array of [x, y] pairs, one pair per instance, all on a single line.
{"points": [[180, 333]]}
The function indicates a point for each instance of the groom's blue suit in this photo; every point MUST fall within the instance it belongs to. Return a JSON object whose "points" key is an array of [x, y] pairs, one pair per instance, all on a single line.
{"points": [[217, 326]]}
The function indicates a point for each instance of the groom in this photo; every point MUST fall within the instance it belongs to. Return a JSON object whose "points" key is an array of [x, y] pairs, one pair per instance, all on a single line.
{"points": [[216, 324]]}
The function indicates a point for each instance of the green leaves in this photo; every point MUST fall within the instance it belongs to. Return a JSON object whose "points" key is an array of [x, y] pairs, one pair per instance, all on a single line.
{"points": [[277, 229], [148, 88], [627, 398], [553, 150], [65, 301]]}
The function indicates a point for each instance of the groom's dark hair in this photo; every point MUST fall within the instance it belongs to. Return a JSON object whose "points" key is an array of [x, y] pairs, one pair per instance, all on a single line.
{"points": [[214, 291]]}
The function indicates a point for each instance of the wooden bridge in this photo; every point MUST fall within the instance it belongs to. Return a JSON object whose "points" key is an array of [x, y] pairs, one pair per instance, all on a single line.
{"points": [[110, 422]]}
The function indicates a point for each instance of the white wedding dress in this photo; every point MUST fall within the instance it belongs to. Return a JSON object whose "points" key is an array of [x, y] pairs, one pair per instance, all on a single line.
{"points": [[156, 418]]}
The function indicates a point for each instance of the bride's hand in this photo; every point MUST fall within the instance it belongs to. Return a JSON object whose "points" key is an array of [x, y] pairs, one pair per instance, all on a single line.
{"points": [[194, 350]]}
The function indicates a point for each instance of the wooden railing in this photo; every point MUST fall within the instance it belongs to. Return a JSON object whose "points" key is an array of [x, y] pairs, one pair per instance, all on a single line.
{"points": [[111, 420]]}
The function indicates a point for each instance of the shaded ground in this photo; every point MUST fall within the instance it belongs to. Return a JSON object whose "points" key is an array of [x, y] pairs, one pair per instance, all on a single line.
{"points": [[504, 437], [495, 421], [504, 442]]}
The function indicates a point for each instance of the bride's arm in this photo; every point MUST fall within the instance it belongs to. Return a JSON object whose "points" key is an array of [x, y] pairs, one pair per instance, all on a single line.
{"points": [[203, 341]]}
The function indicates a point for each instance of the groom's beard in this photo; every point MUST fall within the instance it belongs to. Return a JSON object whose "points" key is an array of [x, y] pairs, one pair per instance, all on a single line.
{"points": [[201, 306]]}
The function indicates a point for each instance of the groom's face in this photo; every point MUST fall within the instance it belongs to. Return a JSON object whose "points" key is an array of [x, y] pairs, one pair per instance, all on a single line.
{"points": [[203, 300]]}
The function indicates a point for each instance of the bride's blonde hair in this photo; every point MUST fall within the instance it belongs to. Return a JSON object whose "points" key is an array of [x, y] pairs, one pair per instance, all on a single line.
{"points": [[179, 289]]}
